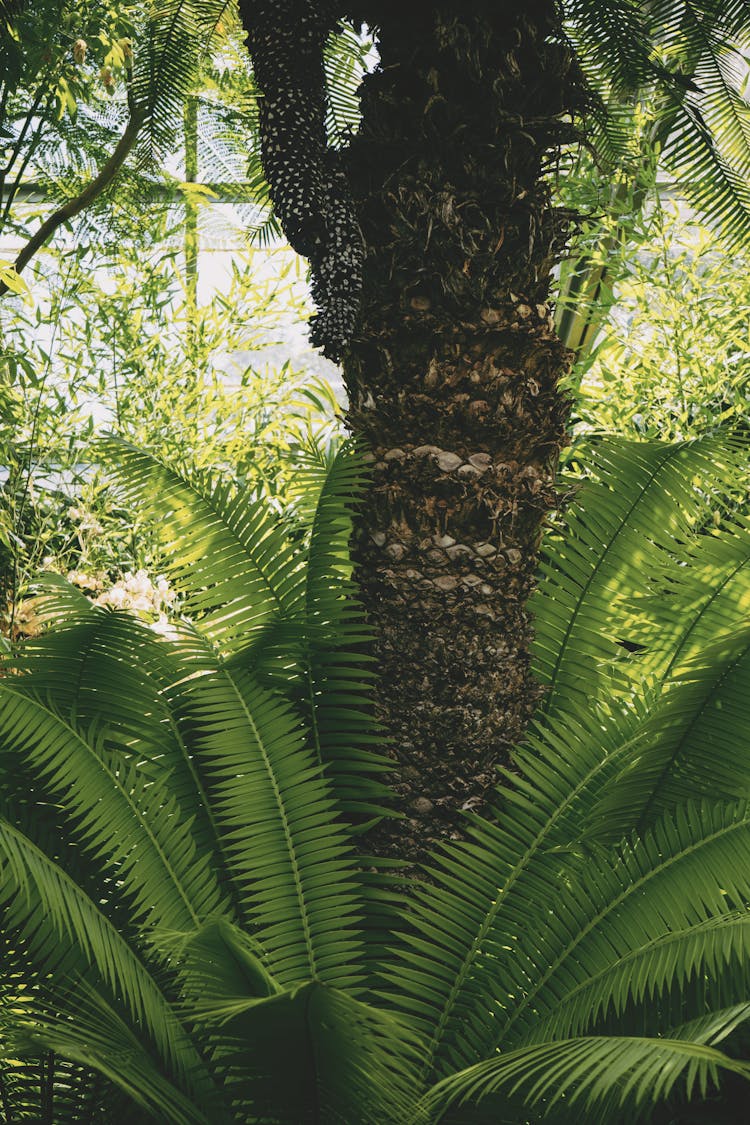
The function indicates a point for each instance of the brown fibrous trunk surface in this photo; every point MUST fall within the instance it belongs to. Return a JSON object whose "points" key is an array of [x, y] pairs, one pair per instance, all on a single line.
{"points": [[453, 383]]}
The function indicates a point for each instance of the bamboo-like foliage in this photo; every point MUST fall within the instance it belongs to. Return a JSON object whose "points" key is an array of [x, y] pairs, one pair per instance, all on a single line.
{"points": [[187, 931]]}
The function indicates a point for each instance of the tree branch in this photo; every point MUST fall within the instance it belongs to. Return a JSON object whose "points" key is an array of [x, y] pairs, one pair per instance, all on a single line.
{"points": [[85, 198]]}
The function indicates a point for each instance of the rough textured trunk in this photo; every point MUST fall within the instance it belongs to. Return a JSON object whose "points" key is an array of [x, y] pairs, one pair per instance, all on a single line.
{"points": [[452, 378]]}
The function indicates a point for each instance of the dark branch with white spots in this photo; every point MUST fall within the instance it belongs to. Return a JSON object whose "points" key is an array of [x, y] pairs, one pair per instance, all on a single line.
{"points": [[311, 198]]}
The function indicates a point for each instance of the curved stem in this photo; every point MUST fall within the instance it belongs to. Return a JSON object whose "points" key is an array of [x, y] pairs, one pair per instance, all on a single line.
{"points": [[92, 191]]}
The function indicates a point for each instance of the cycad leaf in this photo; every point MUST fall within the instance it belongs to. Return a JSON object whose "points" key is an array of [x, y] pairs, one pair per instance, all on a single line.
{"points": [[94, 663], [220, 965], [92, 1033], [647, 971], [688, 60], [588, 1073], [695, 741], [67, 933], [646, 503], [708, 146], [287, 608], [345, 61], [119, 815], [168, 48], [490, 958], [114, 674], [696, 597], [316, 1054], [290, 860], [226, 553], [329, 680], [687, 868]]}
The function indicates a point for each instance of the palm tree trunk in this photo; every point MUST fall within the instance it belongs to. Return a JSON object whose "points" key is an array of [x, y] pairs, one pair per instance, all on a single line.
{"points": [[453, 382]]}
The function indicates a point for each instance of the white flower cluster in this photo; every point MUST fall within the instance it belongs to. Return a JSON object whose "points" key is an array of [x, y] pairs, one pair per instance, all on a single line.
{"points": [[150, 599], [85, 521]]}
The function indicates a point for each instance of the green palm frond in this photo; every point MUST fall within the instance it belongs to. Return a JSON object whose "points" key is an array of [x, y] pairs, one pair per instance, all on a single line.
{"points": [[68, 934], [271, 816], [350, 1061], [219, 153], [687, 60], [345, 61], [169, 45], [645, 974], [696, 598], [221, 970], [92, 1034], [644, 506], [679, 728], [284, 605], [589, 1074], [123, 818], [228, 743], [32, 1084], [612, 41], [96, 662], [695, 741], [489, 960], [292, 866], [331, 679], [226, 552], [708, 146]]}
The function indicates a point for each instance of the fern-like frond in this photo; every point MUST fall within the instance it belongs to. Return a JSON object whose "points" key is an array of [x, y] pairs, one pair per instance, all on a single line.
{"points": [[290, 861], [92, 1033], [350, 1062], [688, 60], [695, 741], [66, 933], [345, 60], [708, 145], [93, 663], [285, 605], [613, 42], [644, 506], [169, 44], [561, 1079], [483, 888], [647, 971], [102, 665], [226, 552], [489, 956], [679, 873], [32, 1081], [329, 680], [696, 597], [123, 819]]}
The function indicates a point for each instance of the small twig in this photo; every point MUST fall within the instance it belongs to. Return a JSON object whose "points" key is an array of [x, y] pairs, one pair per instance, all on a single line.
{"points": [[39, 133]]}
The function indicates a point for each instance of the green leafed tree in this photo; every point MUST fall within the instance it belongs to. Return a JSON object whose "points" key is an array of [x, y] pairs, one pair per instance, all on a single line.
{"points": [[189, 932], [432, 237], [59, 60]]}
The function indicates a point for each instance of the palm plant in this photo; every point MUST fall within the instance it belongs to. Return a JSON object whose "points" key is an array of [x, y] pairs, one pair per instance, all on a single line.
{"points": [[466, 422], [189, 934], [453, 367]]}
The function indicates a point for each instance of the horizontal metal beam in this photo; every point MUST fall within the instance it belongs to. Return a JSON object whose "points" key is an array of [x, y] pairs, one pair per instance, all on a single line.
{"points": [[225, 192]]}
